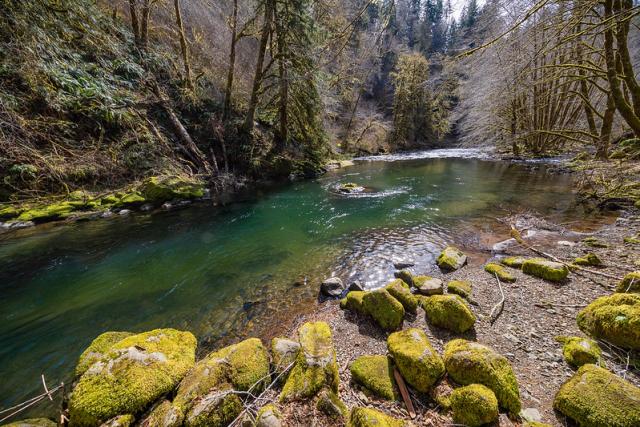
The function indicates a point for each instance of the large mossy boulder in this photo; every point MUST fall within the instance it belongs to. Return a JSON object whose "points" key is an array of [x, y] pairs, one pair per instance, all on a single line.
{"points": [[97, 349], [367, 417], [416, 359], [387, 311], [354, 301], [163, 414], [32, 422], [400, 291], [474, 405], [545, 269], [316, 367], [375, 374], [468, 362], [451, 259], [578, 351], [614, 318], [134, 373], [158, 189], [449, 312], [630, 283], [595, 397], [499, 271]]}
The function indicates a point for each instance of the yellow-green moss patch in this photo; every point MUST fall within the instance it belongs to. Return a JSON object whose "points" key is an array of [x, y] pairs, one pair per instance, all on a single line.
{"points": [[400, 291], [367, 417], [375, 373], [451, 258], [588, 260], [164, 414], [331, 404], [579, 351], [614, 318], [460, 287], [268, 416], [474, 405], [405, 276], [387, 311], [498, 270], [594, 242], [158, 189], [630, 283], [120, 421], [98, 347], [449, 312], [354, 302], [415, 357], [513, 261], [545, 269]]}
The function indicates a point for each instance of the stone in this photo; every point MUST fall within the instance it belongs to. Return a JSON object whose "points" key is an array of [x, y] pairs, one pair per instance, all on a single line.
{"points": [[120, 421], [400, 291], [594, 242], [614, 318], [268, 416], [401, 265], [428, 286], [630, 283], [451, 259], [375, 374], [588, 260], [96, 350], [460, 287], [354, 301], [498, 270], [32, 422], [474, 405], [565, 243], [545, 269], [418, 362], [387, 311], [449, 312], [163, 414], [132, 374], [124, 212], [284, 352], [405, 276], [468, 362], [578, 351], [332, 287], [531, 415], [331, 404], [355, 286], [367, 417], [52, 212], [513, 261], [596, 397]]}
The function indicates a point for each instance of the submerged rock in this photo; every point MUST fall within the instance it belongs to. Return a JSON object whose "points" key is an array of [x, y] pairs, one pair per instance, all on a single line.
{"points": [[595, 397], [498, 270], [630, 283], [332, 287], [449, 312], [375, 373], [578, 351], [513, 261], [460, 287], [400, 291], [350, 187], [451, 259], [614, 318], [387, 311], [415, 357], [474, 405], [469, 362], [132, 375], [426, 285], [268, 416], [97, 349], [354, 302], [367, 417], [545, 269]]}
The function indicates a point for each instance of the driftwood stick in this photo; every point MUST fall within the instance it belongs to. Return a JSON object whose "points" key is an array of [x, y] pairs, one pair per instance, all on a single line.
{"points": [[497, 309], [405, 393]]}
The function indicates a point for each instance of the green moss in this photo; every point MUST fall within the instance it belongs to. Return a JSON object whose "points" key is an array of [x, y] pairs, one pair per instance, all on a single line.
{"points": [[284, 352], [472, 363], [630, 283], [614, 318], [589, 260], [218, 408], [120, 421], [578, 351], [354, 302], [632, 240], [513, 261], [98, 347], [415, 357], [400, 291], [544, 269], [375, 373], [498, 270], [268, 416], [451, 258], [132, 198], [474, 405], [387, 311], [159, 189], [535, 424], [331, 404], [316, 366], [427, 285], [9, 212], [164, 414], [248, 362], [367, 417], [594, 242], [449, 312], [133, 374], [47, 213], [32, 422], [109, 199], [595, 397], [460, 287], [405, 276]]}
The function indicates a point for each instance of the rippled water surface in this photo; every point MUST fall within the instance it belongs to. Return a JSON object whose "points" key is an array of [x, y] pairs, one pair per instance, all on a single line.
{"points": [[223, 272]]}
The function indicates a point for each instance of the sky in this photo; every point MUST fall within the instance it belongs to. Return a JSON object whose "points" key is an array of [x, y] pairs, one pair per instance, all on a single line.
{"points": [[457, 6]]}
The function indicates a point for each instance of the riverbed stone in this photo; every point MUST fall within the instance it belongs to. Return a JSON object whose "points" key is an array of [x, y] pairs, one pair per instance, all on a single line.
{"points": [[588, 260], [284, 352], [460, 287], [545, 269], [367, 417], [375, 374], [630, 283], [405, 276], [594, 242], [596, 397], [268, 416], [451, 258], [97, 349], [614, 318], [498, 270], [474, 405], [332, 287], [578, 351], [316, 366], [468, 362], [418, 362], [32, 422], [354, 301], [401, 265], [449, 312], [426, 285], [132, 375], [513, 261], [400, 291], [387, 311]]}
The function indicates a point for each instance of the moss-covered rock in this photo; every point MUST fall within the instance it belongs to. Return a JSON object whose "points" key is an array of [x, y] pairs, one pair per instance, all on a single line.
{"points": [[451, 258], [468, 363], [120, 421], [595, 397], [130, 199], [47, 213], [97, 349], [427, 285], [474, 405], [375, 373], [405, 276], [157, 189], [589, 260], [630, 283], [400, 291], [387, 311], [284, 352], [614, 318], [268, 416], [594, 242], [415, 357], [545, 269], [460, 287], [331, 404], [449, 312], [367, 417], [578, 351], [32, 422], [316, 366], [164, 414], [498, 270], [132, 375], [9, 212], [354, 302], [630, 240], [513, 261]]}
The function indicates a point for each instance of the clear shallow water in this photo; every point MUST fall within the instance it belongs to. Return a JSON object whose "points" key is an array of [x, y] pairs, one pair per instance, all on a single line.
{"points": [[225, 272]]}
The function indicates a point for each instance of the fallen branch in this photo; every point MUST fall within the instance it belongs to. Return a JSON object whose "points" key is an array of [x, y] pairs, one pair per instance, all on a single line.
{"points": [[404, 392], [497, 309]]}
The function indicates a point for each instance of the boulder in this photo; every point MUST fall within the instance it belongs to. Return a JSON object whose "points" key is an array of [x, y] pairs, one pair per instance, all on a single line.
{"points": [[513, 261], [133, 373], [595, 397], [284, 352], [468, 362], [375, 374], [387, 311], [332, 287], [614, 318], [589, 260], [474, 405], [428, 286], [32, 422], [331, 404], [158, 189], [354, 301], [367, 417], [46, 213], [415, 357], [350, 187], [355, 286], [316, 366], [545, 269], [630, 283], [578, 351], [460, 287], [405, 276], [498, 270], [449, 312], [400, 291], [98, 347], [268, 416], [451, 259], [163, 414]]}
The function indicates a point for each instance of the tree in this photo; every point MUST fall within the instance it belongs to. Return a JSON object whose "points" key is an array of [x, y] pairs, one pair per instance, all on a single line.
{"points": [[184, 48]]}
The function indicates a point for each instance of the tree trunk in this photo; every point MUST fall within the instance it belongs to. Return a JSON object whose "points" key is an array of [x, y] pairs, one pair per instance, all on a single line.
{"points": [[184, 48], [284, 81], [144, 27], [226, 111], [602, 151], [135, 25]]}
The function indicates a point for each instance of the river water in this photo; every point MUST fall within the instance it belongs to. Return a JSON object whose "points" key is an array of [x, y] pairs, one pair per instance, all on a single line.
{"points": [[224, 272]]}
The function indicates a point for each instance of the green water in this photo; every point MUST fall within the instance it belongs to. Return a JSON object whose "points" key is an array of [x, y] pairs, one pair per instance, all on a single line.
{"points": [[220, 272]]}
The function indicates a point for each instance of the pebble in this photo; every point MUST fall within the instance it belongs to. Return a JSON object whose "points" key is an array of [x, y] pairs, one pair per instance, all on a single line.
{"points": [[401, 265], [124, 212]]}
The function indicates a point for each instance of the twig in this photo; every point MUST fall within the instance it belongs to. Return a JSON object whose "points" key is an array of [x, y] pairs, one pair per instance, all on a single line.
{"points": [[405, 393], [497, 309]]}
